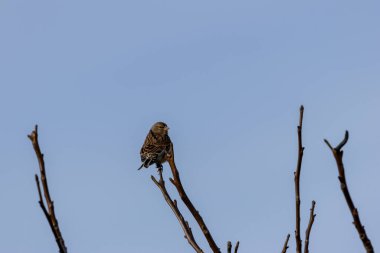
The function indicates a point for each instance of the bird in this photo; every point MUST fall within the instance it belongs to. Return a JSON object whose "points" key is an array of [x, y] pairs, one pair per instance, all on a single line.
{"points": [[156, 147]]}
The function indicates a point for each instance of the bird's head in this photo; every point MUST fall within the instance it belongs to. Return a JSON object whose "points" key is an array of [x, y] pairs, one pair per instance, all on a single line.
{"points": [[160, 128]]}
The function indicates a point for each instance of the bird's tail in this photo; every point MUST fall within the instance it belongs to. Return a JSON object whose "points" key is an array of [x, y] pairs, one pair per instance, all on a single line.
{"points": [[142, 165]]}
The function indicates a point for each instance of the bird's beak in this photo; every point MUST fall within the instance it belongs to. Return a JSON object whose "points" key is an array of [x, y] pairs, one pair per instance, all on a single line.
{"points": [[166, 128]]}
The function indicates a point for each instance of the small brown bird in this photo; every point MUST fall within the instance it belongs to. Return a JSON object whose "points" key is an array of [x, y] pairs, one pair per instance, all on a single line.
{"points": [[156, 146]]}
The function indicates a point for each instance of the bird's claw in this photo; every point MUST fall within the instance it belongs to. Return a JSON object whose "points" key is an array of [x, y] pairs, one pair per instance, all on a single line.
{"points": [[159, 168]]}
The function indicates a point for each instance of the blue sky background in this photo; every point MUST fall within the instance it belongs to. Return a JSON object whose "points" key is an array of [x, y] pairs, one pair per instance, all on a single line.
{"points": [[228, 78]]}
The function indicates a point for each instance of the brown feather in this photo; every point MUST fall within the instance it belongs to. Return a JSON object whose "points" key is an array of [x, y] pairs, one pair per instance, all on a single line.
{"points": [[156, 146]]}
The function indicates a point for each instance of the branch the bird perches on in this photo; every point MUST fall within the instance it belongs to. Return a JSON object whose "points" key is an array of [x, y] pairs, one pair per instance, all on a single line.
{"points": [[173, 205], [176, 181]]}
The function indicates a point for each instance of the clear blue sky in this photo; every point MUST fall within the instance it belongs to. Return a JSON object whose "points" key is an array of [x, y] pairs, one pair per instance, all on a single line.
{"points": [[228, 78]]}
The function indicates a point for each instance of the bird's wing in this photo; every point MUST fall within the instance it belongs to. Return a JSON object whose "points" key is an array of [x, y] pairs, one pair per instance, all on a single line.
{"points": [[150, 148], [154, 148], [168, 144]]}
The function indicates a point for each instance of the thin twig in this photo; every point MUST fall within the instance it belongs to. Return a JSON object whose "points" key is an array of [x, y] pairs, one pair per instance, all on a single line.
{"points": [[49, 212], [43, 207], [177, 183], [229, 247], [308, 230], [173, 205], [297, 183], [285, 244], [237, 247], [338, 155]]}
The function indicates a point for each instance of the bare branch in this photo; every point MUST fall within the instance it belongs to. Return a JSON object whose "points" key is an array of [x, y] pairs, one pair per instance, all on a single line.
{"points": [[237, 247], [49, 213], [286, 244], [39, 188], [177, 183], [338, 155], [43, 207], [343, 142], [308, 230], [173, 205], [229, 247], [297, 183], [328, 144]]}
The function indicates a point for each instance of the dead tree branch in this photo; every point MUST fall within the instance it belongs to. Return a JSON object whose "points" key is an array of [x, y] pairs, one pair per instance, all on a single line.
{"points": [[338, 155], [173, 205], [177, 183], [308, 230], [237, 247], [286, 244], [229, 247], [49, 212], [297, 183]]}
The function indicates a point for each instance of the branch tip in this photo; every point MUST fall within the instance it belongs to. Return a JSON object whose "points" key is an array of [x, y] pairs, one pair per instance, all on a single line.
{"points": [[297, 183], [328, 144], [153, 178], [309, 226], [49, 213], [343, 142], [229, 246], [285, 247], [236, 247]]}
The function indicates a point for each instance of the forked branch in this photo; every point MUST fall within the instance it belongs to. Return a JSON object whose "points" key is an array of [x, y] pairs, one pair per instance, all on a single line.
{"points": [[173, 205], [338, 155], [49, 212], [177, 183]]}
